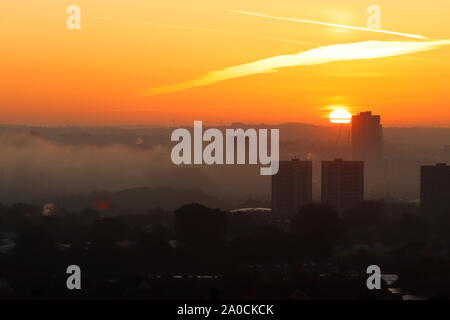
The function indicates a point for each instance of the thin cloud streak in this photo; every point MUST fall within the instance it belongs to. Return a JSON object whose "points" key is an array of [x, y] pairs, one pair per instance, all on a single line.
{"points": [[162, 25], [408, 35], [320, 55]]}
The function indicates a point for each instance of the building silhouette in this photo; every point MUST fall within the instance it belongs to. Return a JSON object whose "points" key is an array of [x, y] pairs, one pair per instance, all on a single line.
{"points": [[367, 136], [342, 184], [435, 188], [291, 186]]}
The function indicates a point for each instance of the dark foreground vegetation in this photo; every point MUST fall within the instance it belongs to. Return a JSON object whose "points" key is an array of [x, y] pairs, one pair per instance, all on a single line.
{"points": [[201, 253]]}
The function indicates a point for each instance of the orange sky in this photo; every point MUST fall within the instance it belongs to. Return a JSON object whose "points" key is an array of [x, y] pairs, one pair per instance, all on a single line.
{"points": [[97, 75]]}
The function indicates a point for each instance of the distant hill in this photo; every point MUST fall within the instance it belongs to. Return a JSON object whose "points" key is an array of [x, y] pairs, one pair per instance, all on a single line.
{"points": [[140, 200], [152, 136]]}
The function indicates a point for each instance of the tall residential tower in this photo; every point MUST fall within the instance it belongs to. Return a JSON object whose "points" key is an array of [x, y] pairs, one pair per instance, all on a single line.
{"points": [[342, 184], [367, 136], [435, 188], [291, 187]]}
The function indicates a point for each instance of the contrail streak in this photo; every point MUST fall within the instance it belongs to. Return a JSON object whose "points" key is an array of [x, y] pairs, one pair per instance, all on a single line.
{"points": [[204, 30], [415, 36], [320, 55]]}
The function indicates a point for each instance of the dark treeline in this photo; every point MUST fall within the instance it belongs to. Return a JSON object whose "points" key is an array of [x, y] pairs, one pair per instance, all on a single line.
{"points": [[202, 253]]}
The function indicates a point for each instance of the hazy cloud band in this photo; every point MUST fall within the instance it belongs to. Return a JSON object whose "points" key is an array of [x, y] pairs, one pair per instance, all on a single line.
{"points": [[320, 55]]}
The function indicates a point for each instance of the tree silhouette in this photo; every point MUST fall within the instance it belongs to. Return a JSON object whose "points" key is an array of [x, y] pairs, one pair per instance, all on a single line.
{"points": [[318, 229], [155, 251], [199, 226], [88, 216], [267, 244], [368, 213], [108, 230], [34, 259]]}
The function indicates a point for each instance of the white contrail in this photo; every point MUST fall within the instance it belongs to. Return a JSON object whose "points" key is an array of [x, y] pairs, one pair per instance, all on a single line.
{"points": [[162, 25], [408, 35], [320, 55]]}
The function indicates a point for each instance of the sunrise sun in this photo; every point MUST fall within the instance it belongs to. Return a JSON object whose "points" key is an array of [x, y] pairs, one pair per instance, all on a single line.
{"points": [[340, 115]]}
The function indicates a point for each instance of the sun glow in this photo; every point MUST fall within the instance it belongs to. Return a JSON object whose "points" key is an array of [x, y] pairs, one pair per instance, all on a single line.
{"points": [[340, 115]]}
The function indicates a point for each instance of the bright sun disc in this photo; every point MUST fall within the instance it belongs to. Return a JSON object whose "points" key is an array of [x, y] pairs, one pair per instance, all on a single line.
{"points": [[340, 116]]}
